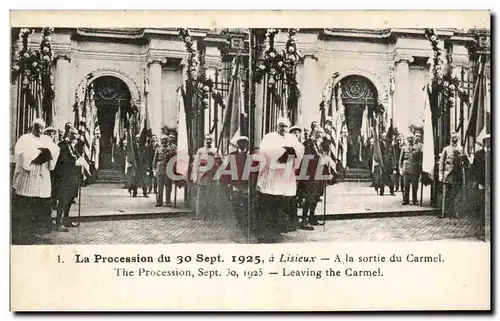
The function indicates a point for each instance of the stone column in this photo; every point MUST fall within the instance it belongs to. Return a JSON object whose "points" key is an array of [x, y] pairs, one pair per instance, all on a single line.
{"points": [[63, 107], [401, 106], [155, 94], [209, 112], [311, 91]]}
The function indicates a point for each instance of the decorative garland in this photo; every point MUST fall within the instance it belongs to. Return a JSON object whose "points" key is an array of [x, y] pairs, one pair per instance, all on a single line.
{"points": [[449, 82], [279, 65], [34, 64], [194, 76]]}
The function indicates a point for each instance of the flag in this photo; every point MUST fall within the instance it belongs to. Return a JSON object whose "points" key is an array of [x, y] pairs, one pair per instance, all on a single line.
{"points": [[365, 129], [235, 115], [83, 126], [182, 166], [145, 131], [377, 152], [93, 129], [428, 160], [477, 121]]}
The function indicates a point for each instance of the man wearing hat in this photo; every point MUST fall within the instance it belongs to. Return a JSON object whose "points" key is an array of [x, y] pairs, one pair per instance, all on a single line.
{"points": [[277, 183], [296, 131], [36, 156], [451, 176]]}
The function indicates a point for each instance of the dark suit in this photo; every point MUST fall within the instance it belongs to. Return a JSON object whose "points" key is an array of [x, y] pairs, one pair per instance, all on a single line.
{"points": [[313, 188], [388, 162], [67, 178]]}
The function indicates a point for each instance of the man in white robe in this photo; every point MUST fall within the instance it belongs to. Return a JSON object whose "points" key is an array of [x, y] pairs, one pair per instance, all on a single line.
{"points": [[277, 178], [36, 156]]}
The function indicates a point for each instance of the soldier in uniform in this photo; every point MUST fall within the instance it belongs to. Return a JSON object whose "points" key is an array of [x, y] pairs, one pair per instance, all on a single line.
{"points": [[451, 176], [409, 161], [161, 159]]}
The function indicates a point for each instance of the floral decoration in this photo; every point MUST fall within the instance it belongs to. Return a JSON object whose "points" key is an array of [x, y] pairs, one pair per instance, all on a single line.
{"points": [[196, 76], [449, 82], [34, 64], [279, 65]]}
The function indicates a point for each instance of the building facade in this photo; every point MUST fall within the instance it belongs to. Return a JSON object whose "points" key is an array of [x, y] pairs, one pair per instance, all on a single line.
{"points": [[143, 68], [391, 65]]}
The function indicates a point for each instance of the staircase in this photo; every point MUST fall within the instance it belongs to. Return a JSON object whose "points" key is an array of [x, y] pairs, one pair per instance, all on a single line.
{"points": [[109, 176], [357, 175]]}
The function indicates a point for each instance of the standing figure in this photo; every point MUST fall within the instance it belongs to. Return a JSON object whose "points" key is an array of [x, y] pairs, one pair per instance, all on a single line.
{"points": [[51, 133], [36, 156], [396, 175], [409, 162], [163, 174], [451, 176], [68, 174], [206, 162], [478, 175], [276, 184], [238, 180], [313, 188], [299, 197], [388, 165], [143, 169], [151, 146]]}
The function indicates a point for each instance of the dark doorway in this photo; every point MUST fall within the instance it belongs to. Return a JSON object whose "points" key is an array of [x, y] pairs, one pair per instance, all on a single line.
{"points": [[358, 94], [112, 99]]}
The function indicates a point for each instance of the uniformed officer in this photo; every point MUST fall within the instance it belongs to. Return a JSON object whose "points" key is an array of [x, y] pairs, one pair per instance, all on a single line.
{"points": [[409, 162], [451, 176], [161, 160]]}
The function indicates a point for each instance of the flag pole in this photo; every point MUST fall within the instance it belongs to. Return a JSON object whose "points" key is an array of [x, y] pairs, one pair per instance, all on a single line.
{"points": [[251, 129]]}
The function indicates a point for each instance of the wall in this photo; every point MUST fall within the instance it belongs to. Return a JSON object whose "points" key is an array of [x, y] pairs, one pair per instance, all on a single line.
{"points": [[171, 80]]}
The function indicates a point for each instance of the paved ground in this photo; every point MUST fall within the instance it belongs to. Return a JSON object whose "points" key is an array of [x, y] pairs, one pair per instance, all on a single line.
{"points": [[101, 200], [112, 199], [350, 198], [185, 230], [353, 198]]}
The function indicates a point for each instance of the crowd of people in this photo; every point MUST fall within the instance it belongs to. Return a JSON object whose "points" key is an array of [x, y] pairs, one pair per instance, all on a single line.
{"points": [[46, 176], [294, 168]]}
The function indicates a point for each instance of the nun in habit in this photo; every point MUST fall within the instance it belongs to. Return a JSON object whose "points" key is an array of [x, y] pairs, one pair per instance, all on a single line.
{"points": [[276, 183]]}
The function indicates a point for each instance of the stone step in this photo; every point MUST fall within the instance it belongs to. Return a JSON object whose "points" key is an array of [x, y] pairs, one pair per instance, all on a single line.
{"points": [[354, 180]]}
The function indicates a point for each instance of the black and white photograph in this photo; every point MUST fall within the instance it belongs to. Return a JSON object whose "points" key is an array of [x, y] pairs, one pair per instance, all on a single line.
{"points": [[246, 136]]}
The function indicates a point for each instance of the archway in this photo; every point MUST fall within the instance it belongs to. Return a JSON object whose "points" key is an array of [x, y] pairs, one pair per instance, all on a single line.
{"points": [[358, 95], [112, 99]]}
